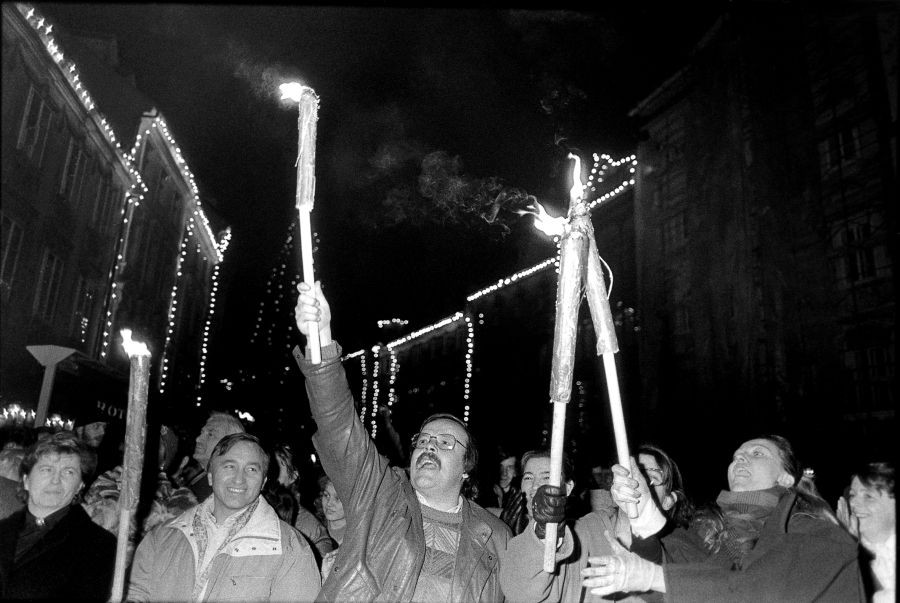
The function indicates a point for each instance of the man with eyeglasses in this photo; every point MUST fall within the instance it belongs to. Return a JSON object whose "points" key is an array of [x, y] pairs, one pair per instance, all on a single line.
{"points": [[410, 538]]}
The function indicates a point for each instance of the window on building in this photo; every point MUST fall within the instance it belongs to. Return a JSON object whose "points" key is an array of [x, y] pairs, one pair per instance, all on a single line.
{"points": [[83, 308], [674, 233], [12, 244], [100, 216], [862, 253], [35, 125], [870, 370], [47, 295], [73, 174], [839, 149]]}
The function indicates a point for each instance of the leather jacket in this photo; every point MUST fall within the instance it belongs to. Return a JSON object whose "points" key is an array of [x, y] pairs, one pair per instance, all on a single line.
{"points": [[383, 550]]}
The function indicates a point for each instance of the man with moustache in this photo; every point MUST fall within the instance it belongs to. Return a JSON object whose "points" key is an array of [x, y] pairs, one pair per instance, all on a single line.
{"points": [[232, 546], [410, 538]]}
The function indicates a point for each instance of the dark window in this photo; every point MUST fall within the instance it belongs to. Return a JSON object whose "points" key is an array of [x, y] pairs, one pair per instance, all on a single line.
{"points": [[12, 243], [73, 174], [35, 125], [48, 287]]}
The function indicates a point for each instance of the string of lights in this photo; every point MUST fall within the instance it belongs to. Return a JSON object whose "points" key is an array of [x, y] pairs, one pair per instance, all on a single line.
{"points": [[423, 331], [130, 201], [376, 365], [398, 322], [68, 68], [365, 387], [395, 367], [173, 308], [204, 350], [470, 352]]}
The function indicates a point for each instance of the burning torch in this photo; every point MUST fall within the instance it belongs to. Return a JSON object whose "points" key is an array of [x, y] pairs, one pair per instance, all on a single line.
{"points": [[308, 102]]}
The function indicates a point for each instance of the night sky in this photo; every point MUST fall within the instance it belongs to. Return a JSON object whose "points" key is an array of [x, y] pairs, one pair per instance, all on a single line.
{"points": [[486, 96]]}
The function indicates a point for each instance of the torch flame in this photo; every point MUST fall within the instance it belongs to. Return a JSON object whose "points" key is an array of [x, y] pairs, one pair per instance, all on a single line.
{"points": [[544, 222], [577, 186], [132, 347], [294, 91]]}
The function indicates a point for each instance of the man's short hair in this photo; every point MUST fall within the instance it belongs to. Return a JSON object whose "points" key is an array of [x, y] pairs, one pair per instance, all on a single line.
{"points": [[233, 424], [567, 469], [470, 459], [228, 442]]}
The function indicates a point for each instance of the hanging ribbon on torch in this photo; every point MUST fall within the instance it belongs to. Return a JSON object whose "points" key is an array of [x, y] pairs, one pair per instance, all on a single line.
{"points": [[580, 273], [307, 119]]}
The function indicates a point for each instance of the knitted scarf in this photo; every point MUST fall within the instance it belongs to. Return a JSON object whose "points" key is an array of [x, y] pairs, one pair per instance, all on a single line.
{"points": [[745, 514]]}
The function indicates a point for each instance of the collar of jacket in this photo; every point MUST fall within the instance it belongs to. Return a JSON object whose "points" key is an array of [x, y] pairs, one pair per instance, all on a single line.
{"points": [[261, 535], [72, 524], [775, 526], [475, 533]]}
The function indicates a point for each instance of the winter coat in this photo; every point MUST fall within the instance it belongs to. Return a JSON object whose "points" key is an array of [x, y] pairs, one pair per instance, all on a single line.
{"points": [[522, 575], [383, 550], [74, 560], [798, 557], [265, 561]]}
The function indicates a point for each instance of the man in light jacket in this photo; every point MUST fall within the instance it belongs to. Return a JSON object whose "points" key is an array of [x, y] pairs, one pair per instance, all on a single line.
{"points": [[410, 538], [231, 547]]}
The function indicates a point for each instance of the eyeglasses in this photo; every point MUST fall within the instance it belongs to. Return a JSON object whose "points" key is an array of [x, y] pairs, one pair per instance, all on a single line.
{"points": [[445, 441]]}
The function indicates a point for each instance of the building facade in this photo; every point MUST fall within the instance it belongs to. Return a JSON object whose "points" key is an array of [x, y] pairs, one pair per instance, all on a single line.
{"points": [[763, 207], [99, 232]]}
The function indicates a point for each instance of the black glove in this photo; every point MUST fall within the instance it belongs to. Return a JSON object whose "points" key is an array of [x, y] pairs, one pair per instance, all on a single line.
{"points": [[548, 506]]}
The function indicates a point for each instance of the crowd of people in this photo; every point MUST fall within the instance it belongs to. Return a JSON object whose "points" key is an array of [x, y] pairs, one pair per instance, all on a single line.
{"points": [[233, 521]]}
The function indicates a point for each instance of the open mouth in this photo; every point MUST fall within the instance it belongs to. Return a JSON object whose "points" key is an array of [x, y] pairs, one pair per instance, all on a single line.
{"points": [[428, 461]]}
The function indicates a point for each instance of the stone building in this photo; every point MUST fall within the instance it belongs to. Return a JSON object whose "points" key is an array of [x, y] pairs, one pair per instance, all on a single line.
{"points": [[103, 227], [763, 207]]}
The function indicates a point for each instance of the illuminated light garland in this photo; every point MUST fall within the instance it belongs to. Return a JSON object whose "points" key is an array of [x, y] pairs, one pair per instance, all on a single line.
{"points": [[395, 367], [197, 211], [503, 282], [70, 72], [114, 273], [274, 273], [470, 351], [376, 365], [173, 308], [423, 331], [221, 248], [365, 387], [353, 355], [596, 176], [392, 322]]}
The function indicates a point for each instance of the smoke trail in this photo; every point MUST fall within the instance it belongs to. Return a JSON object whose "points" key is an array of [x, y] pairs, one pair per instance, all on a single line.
{"points": [[442, 193], [262, 76]]}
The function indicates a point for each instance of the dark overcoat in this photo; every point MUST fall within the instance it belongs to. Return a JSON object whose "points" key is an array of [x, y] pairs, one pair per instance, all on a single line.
{"points": [[74, 560]]}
